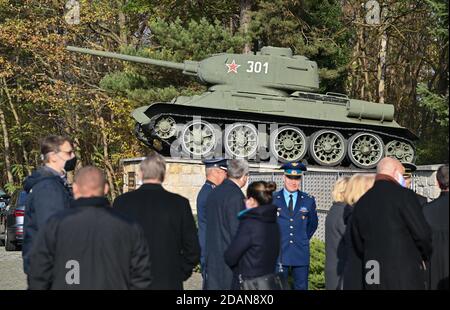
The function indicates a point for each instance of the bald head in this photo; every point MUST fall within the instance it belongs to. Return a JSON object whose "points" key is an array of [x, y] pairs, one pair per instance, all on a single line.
{"points": [[89, 181], [390, 166]]}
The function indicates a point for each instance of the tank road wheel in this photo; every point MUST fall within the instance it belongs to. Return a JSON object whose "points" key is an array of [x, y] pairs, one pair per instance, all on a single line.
{"points": [[327, 147], [198, 138], [165, 127], [400, 150], [241, 140], [365, 150], [288, 144]]}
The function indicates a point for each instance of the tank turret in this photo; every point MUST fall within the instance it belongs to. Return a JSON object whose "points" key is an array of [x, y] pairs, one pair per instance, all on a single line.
{"points": [[270, 70], [263, 106]]}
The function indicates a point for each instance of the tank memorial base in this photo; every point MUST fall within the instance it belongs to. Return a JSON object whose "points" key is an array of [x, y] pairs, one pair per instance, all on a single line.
{"points": [[186, 177]]}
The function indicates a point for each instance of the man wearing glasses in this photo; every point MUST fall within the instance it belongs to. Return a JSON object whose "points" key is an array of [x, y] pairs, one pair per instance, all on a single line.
{"points": [[48, 189], [297, 219]]}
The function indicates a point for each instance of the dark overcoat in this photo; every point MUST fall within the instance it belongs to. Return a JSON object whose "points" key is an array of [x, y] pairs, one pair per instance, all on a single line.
{"points": [[255, 248], [388, 227], [335, 250], [222, 209], [169, 228], [437, 216], [89, 246]]}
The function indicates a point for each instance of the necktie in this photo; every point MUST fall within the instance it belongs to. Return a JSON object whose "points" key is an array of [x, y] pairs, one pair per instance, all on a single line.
{"points": [[291, 204]]}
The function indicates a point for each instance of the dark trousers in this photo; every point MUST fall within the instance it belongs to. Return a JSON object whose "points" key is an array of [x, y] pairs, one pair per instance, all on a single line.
{"points": [[300, 275]]}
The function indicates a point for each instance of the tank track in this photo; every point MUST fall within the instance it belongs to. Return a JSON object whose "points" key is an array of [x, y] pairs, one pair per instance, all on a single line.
{"points": [[212, 117]]}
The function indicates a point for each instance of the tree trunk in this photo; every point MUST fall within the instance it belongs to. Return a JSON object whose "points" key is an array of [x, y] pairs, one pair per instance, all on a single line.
{"points": [[108, 166], [246, 7], [7, 149], [18, 123], [365, 88], [381, 70], [123, 33]]}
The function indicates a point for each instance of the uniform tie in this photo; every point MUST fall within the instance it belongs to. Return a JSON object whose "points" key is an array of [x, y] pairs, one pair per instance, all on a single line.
{"points": [[291, 204]]}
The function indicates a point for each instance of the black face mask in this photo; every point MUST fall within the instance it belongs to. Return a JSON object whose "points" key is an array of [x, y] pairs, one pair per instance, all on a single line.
{"points": [[70, 164]]}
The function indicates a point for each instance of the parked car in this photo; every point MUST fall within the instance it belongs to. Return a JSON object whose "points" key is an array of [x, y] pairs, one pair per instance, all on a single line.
{"points": [[12, 217], [4, 202]]}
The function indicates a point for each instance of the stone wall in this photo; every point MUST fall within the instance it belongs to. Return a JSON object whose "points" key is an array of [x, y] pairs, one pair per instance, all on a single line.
{"points": [[424, 181], [186, 177]]}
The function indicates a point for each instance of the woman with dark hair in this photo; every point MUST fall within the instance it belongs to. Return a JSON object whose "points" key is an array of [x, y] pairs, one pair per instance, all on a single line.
{"points": [[254, 250]]}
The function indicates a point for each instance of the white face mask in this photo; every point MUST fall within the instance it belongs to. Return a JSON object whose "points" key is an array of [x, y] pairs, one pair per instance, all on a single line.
{"points": [[401, 180]]}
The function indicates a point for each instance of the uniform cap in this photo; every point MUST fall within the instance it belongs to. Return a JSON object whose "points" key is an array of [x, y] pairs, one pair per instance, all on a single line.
{"points": [[216, 163], [293, 169]]}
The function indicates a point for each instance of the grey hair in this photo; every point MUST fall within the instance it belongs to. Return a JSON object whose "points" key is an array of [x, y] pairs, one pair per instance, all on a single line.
{"points": [[237, 168], [153, 167]]}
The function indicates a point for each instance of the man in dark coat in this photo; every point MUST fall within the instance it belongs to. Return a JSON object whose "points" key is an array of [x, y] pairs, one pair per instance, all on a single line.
{"points": [[222, 209], [168, 225], [90, 245], [390, 233], [216, 173], [436, 214], [48, 189]]}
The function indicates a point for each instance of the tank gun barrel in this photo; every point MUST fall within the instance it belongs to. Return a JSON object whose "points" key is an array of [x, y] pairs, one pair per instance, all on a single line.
{"points": [[188, 67]]}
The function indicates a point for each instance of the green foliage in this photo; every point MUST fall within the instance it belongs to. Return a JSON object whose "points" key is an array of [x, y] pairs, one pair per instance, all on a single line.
{"points": [[122, 80], [317, 265], [11, 188], [435, 147], [311, 28], [435, 103], [195, 41]]}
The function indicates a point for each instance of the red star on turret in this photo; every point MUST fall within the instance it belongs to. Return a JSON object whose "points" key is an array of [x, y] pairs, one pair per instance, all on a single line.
{"points": [[232, 67]]}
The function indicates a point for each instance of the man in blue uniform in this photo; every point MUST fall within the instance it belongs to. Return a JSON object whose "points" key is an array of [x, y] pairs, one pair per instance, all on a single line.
{"points": [[297, 219], [216, 173]]}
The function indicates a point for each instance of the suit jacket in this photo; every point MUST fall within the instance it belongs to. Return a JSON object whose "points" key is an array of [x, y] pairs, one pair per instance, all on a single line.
{"points": [[222, 209], [169, 227], [388, 227], [296, 229], [202, 198]]}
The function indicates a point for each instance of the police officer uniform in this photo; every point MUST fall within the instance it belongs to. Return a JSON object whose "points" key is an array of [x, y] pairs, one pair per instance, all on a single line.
{"points": [[297, 219], [201, 206]]}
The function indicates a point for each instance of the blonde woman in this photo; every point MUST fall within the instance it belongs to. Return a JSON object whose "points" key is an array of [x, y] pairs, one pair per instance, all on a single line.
{"points": [[334, 237], [357, 186]]}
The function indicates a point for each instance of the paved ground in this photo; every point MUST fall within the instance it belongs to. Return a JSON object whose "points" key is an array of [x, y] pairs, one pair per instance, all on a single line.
{"points": [[13, 278], [11, 270]]}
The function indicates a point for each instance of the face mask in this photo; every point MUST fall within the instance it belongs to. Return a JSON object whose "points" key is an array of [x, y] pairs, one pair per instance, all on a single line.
{"points": [[401, 180], [70, 164]]}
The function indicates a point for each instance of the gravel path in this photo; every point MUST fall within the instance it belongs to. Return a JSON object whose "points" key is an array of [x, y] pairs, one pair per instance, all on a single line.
{"points": [[13, 278]]}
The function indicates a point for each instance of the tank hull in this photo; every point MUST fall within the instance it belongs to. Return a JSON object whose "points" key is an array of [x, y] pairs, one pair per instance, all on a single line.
{"points": [[314, 124]]}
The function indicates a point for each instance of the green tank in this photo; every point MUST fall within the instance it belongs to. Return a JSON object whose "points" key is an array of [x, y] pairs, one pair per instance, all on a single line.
{"points": [[264, 107]]}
